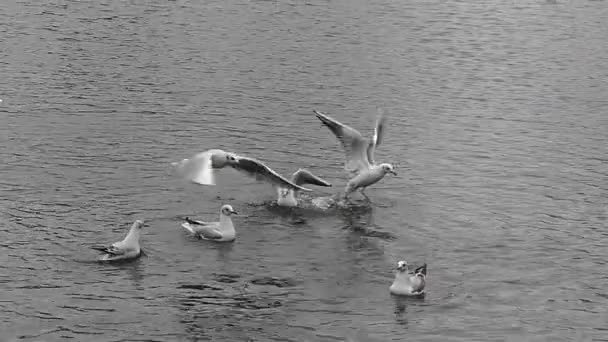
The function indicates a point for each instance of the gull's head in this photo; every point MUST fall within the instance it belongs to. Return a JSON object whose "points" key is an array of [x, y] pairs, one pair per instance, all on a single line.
{"points": [[227, 210], [284, 192], [220, 158], [139, 224], [388, 168], [402, 266], [231, 159]]}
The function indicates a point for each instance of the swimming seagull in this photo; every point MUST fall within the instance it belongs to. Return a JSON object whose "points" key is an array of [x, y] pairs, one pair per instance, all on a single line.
{"points": [[201, 169], [216, 231], [125, 249], [359, 153], [406, 283], [288, 197]]}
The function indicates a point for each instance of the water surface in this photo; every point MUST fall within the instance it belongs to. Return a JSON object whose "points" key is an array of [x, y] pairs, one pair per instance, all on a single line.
{"points": [[498, 124]]}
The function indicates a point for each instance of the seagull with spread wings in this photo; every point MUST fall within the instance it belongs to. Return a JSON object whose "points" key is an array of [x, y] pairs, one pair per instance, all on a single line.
{"points": [[201, 169], [359, 153]]}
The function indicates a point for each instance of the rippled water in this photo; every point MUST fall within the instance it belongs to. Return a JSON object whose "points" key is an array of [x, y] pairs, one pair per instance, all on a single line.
{"points": [[498, 126]]}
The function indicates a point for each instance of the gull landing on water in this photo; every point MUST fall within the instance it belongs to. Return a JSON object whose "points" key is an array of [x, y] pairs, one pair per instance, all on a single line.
{"points": [[217, 231], [406, 283], [125, 249], [201, 169], [359, 153]]}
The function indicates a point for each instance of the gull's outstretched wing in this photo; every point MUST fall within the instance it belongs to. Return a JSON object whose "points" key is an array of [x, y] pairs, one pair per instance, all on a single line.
{"points": [[303, 176], [354, 144], [377, 139], [198, 169], [262, 172]]}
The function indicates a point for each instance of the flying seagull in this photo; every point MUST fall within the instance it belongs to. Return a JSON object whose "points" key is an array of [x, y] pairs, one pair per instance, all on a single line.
{"points": [[201, 169]]}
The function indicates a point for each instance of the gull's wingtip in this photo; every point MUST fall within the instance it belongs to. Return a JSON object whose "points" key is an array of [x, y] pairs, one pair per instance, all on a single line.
{"points": [[303, 176], [180, 162], [202, 182], [187, 227], [319, 113], [322, 182]]}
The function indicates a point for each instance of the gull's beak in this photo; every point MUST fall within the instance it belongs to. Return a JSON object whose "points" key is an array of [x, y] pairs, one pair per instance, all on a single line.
{"points": [[234, 212], [393, 172]]}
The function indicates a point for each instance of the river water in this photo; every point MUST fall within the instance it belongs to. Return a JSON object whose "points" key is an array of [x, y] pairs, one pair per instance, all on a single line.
{"points": [[498, 127]]}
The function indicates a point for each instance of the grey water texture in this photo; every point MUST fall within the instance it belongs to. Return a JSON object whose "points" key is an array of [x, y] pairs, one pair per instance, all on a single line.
{"points": [[497, 124]]}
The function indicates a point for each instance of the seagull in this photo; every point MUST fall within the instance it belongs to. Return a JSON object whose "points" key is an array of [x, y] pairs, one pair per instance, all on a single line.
{"points": [[201, 169], [217, 231], [125, 249], [406, 283], [289, 197], [359, 154]]}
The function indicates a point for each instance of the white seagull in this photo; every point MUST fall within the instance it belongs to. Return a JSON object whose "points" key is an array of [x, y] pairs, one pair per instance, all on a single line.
{"points": [[217, 231], [359, 154], [125, 249], [406, 283], [201, 169]]}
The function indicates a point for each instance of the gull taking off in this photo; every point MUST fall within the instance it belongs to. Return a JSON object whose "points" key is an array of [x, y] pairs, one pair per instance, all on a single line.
{"points": [[216, 231], [201, 169], [289, 197], [406, 283], [125, 249], [359, 153]]}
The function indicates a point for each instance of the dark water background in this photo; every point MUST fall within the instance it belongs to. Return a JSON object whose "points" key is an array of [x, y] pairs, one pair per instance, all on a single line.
{"points": [[498, 127]]}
